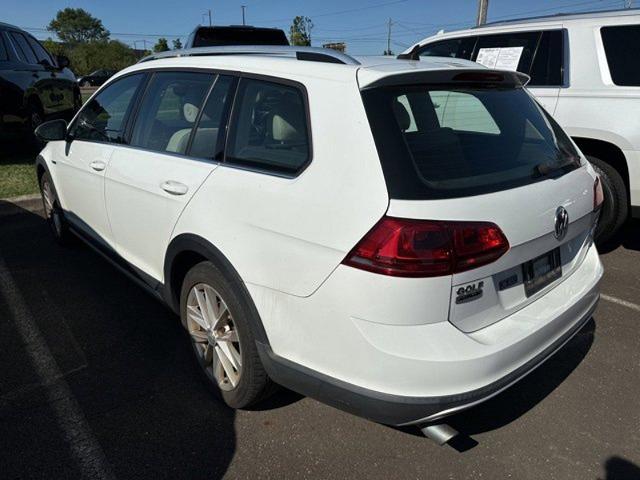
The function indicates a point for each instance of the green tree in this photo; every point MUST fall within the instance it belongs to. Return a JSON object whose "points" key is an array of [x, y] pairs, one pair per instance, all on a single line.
{"points": [[53, 47], [75, 25], [300, 33], [91, 56], [177, 44], [161, 46]]}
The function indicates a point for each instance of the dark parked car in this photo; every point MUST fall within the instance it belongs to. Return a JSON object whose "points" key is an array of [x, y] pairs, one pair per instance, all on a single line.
{"points": [[34, 85], [96, 78], [235, 35]]}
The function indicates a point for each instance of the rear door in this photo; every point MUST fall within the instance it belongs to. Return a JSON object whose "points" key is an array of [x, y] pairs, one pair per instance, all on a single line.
{"points": [[174, 145]]}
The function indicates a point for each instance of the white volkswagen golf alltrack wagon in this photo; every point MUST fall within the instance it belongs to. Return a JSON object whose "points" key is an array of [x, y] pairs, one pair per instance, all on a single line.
{"points": [[399, 239]]}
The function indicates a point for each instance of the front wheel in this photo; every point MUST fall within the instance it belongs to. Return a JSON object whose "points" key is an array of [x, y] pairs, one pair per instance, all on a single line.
{"points": [[615, 207], [53, 212], [217, 317]]}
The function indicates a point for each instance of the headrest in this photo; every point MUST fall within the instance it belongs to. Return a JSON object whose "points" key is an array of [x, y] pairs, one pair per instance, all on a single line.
{"points": [[402, 116], [190, 112], [286, 123]]}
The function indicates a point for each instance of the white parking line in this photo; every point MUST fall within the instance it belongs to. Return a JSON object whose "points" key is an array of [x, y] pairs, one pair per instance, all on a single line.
{"points": [[619, 301], [83, 445]]}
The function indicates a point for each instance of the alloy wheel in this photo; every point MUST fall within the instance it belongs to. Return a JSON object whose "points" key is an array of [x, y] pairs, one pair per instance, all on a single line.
{"points": [[50, 209], [214, 336]]}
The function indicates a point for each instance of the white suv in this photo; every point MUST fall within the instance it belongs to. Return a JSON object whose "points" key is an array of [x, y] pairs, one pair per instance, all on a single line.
{"points": [[400, 239], [585, 71]]}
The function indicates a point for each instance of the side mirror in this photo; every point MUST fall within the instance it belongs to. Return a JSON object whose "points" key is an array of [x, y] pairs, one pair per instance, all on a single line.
{"points": [[52, 131], [63, 61]]}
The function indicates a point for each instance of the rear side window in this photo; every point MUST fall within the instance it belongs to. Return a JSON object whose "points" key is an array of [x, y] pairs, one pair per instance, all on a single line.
{"points": [[41, 53], [538, 54], [208, 138], [103, 118], [454, 48], [169, 111], [270, 130], [446, 141], [622, 47], [22, 47]]}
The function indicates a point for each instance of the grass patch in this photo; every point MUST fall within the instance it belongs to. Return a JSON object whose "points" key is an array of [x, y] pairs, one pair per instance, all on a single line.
{"points": [[17, 174]]}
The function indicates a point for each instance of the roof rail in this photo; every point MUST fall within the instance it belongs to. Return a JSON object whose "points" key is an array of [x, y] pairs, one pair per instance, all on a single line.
{"points": [[593, 13], [314, 54]]}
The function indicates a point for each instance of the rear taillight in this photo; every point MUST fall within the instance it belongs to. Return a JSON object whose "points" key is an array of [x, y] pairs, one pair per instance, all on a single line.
{"points": [[427, 248], [598, 194]]}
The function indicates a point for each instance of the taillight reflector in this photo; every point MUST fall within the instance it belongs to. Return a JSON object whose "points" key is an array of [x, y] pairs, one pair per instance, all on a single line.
{"points": [[427, 248]]}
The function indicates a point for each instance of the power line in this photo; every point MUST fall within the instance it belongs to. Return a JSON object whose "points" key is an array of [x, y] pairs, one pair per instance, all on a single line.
{"points": [[340, 12]]}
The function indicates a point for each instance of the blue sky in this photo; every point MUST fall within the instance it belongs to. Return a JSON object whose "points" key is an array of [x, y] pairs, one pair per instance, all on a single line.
{"points": [[362, 24]]}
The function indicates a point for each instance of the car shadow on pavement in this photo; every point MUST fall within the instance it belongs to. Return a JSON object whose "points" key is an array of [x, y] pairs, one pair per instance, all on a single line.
{"points": [[628, 237], [617, 468], [125, 358]]}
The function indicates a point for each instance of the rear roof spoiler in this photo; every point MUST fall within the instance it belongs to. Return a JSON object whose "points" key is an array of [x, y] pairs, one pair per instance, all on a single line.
{"points": [[470, 77]]}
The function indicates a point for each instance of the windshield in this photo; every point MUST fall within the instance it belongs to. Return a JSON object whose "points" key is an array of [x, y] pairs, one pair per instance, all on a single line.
{"points": [[446, 141]]}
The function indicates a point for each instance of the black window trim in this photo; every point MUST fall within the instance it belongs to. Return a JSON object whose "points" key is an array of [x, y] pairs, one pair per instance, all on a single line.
{"points": [[235, 112], [564, 66]]}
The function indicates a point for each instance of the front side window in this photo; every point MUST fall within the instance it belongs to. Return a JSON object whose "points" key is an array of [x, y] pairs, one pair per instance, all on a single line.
{"points": [[622, 47], [169, 111], [270, 129], [449, 141], [103, 118], [22, 47]]}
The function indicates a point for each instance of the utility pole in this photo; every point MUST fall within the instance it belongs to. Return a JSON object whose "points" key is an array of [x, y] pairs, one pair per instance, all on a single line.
{"points": [[209, 13], [243, 7], [388, 51], [483, 6]]}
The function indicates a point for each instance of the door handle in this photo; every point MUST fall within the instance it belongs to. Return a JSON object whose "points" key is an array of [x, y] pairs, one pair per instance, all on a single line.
{"points": [[174, 188], [97, 165]]}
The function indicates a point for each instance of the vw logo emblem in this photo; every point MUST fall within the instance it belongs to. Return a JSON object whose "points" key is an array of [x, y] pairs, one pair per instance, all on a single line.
{"points": [[562, 223]]}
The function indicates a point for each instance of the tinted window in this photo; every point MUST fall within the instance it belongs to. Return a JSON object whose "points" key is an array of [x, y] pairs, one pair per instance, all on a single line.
{"points": [[622, 47], [170, 110], [207, 140], [24, 50], [527, 41], [270, 127], [41, 53], [3, 48], [441, 142], [454, 48], [217, 36], [547, 63], [103, 118]]}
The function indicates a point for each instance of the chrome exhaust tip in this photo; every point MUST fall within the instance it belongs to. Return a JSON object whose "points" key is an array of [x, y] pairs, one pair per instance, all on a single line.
{"points": [[440, 433]]}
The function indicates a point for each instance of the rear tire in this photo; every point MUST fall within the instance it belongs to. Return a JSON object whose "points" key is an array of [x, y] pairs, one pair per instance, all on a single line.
{"points": [[615, 207], [218, 318], [53, 211]]}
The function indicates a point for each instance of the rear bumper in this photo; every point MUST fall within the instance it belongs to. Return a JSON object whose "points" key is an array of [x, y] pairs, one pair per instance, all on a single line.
{"points": [[504, 352]]}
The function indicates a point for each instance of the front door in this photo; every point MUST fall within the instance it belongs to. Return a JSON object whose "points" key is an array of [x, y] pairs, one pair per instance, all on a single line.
{"points": [[97, 129]]}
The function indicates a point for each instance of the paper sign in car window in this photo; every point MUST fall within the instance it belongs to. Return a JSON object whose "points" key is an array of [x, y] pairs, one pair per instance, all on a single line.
{"points": [[508, 58], [488, 57]]}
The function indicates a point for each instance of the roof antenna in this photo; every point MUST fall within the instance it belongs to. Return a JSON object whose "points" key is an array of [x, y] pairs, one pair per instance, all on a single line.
{"points": [[413, 54]]}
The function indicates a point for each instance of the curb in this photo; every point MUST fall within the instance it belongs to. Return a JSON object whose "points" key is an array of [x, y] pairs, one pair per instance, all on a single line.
{"points": [[22, 198]]}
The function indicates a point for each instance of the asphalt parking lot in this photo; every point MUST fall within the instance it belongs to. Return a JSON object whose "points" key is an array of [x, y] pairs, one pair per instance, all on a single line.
{"points": [[98, 381]]}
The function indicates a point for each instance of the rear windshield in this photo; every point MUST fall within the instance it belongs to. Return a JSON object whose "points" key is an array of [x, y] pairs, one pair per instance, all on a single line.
{"points": [[212, 37], [443, 141]]}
